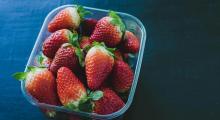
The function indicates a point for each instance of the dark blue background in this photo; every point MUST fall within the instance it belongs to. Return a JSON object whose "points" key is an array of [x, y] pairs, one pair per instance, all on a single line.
{"points": [[180, 76]]}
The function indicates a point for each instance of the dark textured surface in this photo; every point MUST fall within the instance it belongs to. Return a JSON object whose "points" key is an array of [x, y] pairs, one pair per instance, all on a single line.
{"points": [[180, 76]]}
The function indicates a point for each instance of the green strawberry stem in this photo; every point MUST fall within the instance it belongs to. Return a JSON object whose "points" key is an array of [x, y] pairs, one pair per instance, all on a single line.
{"points": [[71, 106], [73, 39], [87, 48], [86, 104], [96, 95], [40, 58], [20, 75], [102, 44], [82, 12], [23, 75], [116, 20], [80, 56]]}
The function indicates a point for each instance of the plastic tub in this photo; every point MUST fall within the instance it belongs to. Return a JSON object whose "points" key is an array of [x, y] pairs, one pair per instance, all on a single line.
{"points": [[132, 24]]}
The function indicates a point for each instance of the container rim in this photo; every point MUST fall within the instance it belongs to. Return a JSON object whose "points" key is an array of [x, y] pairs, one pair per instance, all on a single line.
{"points": [[34, 102]]}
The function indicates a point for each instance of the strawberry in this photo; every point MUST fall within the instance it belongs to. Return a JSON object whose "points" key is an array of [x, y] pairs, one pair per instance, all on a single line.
{"points": [[43, 61], [69, 88], [126, 56], [88, 26], [84, 43], [130, 44], [122, 76], [109, 103], [72, 93], [109, 30], [56, 39], [68, 18], [118, 55], [40, 83], [98, 64], [66, 56]]}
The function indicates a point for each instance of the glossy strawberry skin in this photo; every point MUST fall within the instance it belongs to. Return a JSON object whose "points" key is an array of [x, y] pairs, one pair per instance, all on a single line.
{"points": [[69, 87], [130, 44], [106, 32], [88, 26], [122, 76], [109, 103], [65, 57], [54, 41], [42, 86], [67, 18], [98, 65]]}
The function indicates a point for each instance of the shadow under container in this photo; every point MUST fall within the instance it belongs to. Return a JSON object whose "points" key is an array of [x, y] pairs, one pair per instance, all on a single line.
{"points": [[132, 24]]}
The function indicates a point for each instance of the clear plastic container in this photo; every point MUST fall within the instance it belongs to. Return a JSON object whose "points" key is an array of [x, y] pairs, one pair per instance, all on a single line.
{"points": [[132, 24]]}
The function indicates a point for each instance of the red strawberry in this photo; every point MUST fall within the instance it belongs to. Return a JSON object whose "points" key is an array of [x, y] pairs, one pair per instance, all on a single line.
{"points": [[84, 42], [109, 103], [125, 56], [69, 88], [88, 26], [40, 83], [65, 57], [56, 39], [122, 76], [68, 18], [130, 44], [98, 65], [118, 55], [109, 29]]}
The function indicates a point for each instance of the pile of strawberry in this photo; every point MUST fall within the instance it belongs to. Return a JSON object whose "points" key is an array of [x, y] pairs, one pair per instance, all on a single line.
{"points": [[83, 66]]}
